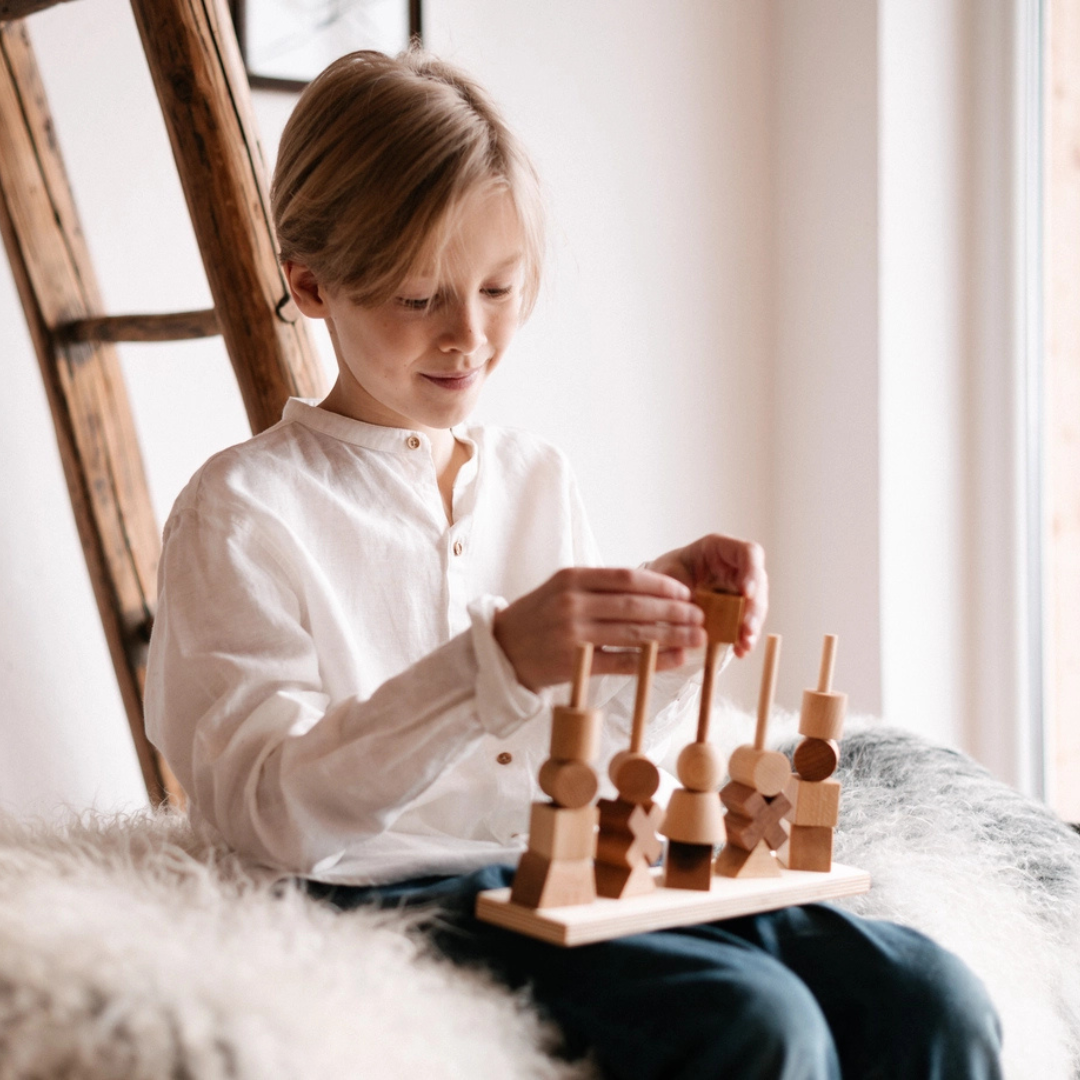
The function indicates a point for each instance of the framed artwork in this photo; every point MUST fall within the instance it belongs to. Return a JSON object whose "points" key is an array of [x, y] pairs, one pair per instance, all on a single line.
{"points": [[286, 43]]}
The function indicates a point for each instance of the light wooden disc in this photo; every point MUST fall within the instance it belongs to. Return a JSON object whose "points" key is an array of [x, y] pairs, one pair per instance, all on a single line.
{"points": [[822, 714], [767, 771], [575, 733], [634, 775], [569, 783]]}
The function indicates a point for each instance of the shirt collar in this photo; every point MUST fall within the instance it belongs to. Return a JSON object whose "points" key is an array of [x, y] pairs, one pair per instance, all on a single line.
{"points": [[306, 411]]}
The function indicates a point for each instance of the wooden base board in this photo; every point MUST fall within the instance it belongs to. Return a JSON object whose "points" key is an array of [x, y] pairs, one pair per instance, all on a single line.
{"points": [[664, 908]]}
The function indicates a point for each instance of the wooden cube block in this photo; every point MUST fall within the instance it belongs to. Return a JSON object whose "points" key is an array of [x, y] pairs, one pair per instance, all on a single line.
{"points": [[723, 614], [813, 802], [688, 866], [816, 759], [734, 862], [558, 832], [541, 882], [822, 714], [810, 848]]}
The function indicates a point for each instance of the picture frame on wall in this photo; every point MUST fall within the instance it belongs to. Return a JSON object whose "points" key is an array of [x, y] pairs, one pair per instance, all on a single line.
{"points": [[286, 43]]}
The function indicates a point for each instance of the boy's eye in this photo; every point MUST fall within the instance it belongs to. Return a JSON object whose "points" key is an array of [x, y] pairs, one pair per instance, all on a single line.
{"points": [[495, 291], [415, 303]]}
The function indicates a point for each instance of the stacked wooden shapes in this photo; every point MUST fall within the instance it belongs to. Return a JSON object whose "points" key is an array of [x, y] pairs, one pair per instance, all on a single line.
{"points": [[693, 822], [814, 796], [754, 798], [558, 867], [628, 844]]}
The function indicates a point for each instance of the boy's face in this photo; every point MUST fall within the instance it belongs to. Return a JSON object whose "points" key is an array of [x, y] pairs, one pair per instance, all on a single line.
{"points": [[419, 359]]}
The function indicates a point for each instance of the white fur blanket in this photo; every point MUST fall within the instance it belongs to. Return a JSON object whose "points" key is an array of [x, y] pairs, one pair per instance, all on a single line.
{"points": [[128, 952]]}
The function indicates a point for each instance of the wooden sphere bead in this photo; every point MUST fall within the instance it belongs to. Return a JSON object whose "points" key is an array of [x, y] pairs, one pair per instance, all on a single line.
{"points": [[700, 766], [816, 759], [694, 817], [723, 614], [575, 733], [569, 783], [635, 777], [822, 715], [767, 771]]}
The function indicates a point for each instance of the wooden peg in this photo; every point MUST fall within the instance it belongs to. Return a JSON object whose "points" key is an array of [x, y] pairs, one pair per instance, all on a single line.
{"points": [[766, 770], [582, 670], [634, 775], [822, 714]]}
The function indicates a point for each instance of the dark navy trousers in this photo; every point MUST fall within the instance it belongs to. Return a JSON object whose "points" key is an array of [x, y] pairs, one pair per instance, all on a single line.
{"points": [[805, 993]]}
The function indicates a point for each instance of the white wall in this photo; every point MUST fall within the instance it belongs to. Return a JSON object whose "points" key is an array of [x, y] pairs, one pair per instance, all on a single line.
{"points": [[713, 348]]}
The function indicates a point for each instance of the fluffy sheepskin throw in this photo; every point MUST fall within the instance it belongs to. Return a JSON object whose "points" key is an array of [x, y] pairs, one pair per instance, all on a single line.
{"points": [[129, 952]]}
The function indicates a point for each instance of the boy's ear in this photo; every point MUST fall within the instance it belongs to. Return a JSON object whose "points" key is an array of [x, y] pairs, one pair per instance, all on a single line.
{"points": [[306, 290]]}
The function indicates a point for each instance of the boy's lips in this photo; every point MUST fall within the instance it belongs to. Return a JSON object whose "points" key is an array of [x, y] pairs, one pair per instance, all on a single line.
{"points": [[457, 380]]}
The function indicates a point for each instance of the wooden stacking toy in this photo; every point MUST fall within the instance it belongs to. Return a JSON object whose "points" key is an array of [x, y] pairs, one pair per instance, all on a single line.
{"points": [[754, 798], [694, 822], [815, 798], [557, 869], [628, 844]]}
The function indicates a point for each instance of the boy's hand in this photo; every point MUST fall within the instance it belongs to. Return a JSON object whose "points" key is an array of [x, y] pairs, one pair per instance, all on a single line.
{"points": [[607, 607], [721, 562]]}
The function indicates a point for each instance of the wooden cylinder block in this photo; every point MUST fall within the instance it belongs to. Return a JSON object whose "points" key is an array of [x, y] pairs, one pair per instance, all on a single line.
{"points": [[767, 771], [635, 777], [694, 817], [700, 766], [569, 783], [822, 715], [816, 759], [575, 733], [723, 614]]}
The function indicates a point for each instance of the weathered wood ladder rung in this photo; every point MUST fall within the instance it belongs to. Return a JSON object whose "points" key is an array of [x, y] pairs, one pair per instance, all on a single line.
{"points": [[199, 78]]}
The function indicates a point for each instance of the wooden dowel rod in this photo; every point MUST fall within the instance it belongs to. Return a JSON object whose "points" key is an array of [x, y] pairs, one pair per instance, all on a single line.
{"points": [[19, 9], [712, 650], [177, 326], [582, 667], [768, 687], [828, 660], [646, 668]]}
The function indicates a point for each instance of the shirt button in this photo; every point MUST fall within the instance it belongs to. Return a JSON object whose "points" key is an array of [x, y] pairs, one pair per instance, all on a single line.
{"points": [[505, 758], [459, 547], [413, 442]]}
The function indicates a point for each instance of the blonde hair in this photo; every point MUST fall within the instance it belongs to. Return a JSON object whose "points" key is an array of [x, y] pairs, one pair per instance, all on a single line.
{"points": [[376, 161]]}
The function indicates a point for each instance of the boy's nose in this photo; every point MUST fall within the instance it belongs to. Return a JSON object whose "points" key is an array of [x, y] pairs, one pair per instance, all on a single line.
{"points": [[464, 330]]}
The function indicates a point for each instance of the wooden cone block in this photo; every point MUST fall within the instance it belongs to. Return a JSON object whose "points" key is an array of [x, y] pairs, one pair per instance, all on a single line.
{"points": [[688, 866], [814, 802], [541, 882], [816, 759], [694, 817], [558, 832], [810, 848], [734, 862]]}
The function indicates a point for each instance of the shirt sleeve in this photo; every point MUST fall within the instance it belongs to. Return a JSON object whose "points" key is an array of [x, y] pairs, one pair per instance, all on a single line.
{"points": [[235, 701]]}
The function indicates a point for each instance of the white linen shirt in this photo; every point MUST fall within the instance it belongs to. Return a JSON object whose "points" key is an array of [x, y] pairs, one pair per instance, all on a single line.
{"points": [[323, 679]]}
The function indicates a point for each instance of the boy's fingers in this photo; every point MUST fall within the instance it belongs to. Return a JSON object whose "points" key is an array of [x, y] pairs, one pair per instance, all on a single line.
{"points": [[605, 579]]}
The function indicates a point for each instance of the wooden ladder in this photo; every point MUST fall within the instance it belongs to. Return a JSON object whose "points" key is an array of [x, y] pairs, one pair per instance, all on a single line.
{"points": [[199, 77]]}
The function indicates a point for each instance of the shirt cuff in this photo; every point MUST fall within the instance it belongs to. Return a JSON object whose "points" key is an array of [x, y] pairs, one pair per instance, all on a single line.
{"points": [[502, 703]]}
